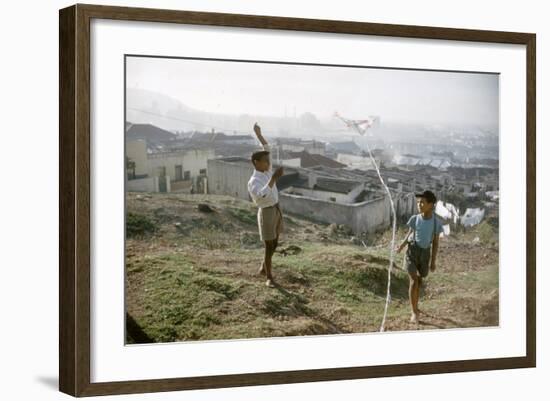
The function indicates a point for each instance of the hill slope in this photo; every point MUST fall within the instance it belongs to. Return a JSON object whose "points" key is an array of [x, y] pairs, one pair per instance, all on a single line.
{"points": [[192, 275]]}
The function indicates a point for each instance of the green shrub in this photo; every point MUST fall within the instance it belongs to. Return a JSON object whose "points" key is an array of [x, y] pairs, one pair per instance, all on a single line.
{"points": [[487, 234], [243, 215], [139, 225]]}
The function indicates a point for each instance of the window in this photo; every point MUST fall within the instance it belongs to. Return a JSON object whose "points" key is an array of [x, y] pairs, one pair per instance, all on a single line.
{"points": [[178, 173], [187, 175], [202, 171]]}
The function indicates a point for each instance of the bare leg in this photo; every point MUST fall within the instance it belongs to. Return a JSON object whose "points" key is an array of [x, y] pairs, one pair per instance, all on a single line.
{"points": [[418, 293], [269, 249], [413, 296], [262, 268]]}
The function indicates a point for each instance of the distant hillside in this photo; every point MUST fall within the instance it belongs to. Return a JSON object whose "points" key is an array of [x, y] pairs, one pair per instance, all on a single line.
{"points": [[145, 99], [148, 107], [153, 106]]}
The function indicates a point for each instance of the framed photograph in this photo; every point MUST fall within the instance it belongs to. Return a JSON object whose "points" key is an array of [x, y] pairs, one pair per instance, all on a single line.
{"points": [[251, 200]]}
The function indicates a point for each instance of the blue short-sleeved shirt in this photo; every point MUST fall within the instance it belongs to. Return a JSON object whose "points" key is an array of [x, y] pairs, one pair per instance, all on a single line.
{"points": [[424, 229]]}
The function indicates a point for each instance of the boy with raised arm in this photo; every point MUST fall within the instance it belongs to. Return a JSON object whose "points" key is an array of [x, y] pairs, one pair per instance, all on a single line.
{"points": [[263, 191]]}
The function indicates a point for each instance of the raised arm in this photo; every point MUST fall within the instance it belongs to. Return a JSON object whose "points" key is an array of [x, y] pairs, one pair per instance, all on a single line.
{"points": [[265, 145], [259, 135]]}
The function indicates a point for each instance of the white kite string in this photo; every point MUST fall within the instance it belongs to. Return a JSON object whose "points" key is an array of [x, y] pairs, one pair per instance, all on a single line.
{"points": [[392, 244]]}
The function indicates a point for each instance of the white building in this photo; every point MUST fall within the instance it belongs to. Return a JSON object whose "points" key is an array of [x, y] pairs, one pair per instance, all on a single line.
{"points": [[299, 145], [355, 161], [181, 165]]}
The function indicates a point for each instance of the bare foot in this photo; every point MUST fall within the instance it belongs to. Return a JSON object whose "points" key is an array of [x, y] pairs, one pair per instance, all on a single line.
{"points": [[262, 269], [414, 318], [270, 282]]}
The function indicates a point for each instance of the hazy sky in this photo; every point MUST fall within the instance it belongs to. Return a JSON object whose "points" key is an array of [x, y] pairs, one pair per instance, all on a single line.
{"points": [[268, 89]]}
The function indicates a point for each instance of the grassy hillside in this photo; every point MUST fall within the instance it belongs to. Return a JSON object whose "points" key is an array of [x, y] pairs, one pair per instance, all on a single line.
{"points": [[192, 275]]}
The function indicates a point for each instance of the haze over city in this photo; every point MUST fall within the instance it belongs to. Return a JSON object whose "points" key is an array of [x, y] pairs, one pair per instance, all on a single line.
{"points": [[281, 90]]}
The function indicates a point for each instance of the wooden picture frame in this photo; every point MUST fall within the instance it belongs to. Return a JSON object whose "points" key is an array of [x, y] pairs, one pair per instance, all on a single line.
{"points": [[74, 199]]}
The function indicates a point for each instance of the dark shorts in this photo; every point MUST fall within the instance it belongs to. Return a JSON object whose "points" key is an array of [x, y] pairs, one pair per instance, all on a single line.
{"points": [[417, 259]]}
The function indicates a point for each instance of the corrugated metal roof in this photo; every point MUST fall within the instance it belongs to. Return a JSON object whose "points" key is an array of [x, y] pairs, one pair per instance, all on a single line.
{"points": [[311, 159]]}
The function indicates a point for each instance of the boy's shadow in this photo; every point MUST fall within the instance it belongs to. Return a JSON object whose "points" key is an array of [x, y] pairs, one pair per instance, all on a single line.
{"points": [[439, 326], [311, 313]]}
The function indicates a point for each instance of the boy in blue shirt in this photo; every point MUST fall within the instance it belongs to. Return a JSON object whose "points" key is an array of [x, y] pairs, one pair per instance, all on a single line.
{"points": [[422, 249]]}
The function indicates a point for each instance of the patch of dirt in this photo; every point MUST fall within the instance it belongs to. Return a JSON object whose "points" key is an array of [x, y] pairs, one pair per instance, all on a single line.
{"points": [[465, 257], [460, 312]]}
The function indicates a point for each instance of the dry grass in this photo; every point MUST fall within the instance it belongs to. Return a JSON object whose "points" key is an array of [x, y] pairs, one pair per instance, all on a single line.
{"points": [[194, 278]]}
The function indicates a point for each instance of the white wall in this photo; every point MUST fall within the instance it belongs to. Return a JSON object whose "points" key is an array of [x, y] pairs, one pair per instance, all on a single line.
{"points": [[359, 162], [226, 178], [322, 195], [360, 217], [29, 257], [192, 160], [291, 162], [137, 151], [149, 184]]}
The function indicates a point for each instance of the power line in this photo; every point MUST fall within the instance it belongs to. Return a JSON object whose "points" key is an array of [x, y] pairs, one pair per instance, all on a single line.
{"points": [[189, 121]]}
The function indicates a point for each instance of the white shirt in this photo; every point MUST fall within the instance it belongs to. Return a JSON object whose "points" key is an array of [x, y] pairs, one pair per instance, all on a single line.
{"points": [[258, 186]]}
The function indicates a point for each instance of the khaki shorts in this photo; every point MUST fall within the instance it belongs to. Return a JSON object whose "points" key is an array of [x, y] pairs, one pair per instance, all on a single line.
{"points": [[270, 222]]}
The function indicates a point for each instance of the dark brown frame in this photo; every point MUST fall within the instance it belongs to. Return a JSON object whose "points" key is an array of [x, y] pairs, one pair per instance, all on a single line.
{"points": [[74, 199]]}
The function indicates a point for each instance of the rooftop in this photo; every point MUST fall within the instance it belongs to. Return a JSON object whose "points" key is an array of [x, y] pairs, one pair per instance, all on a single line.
{"points": [[335, 185], [348, 146], [151, 133], [309, 160]]}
